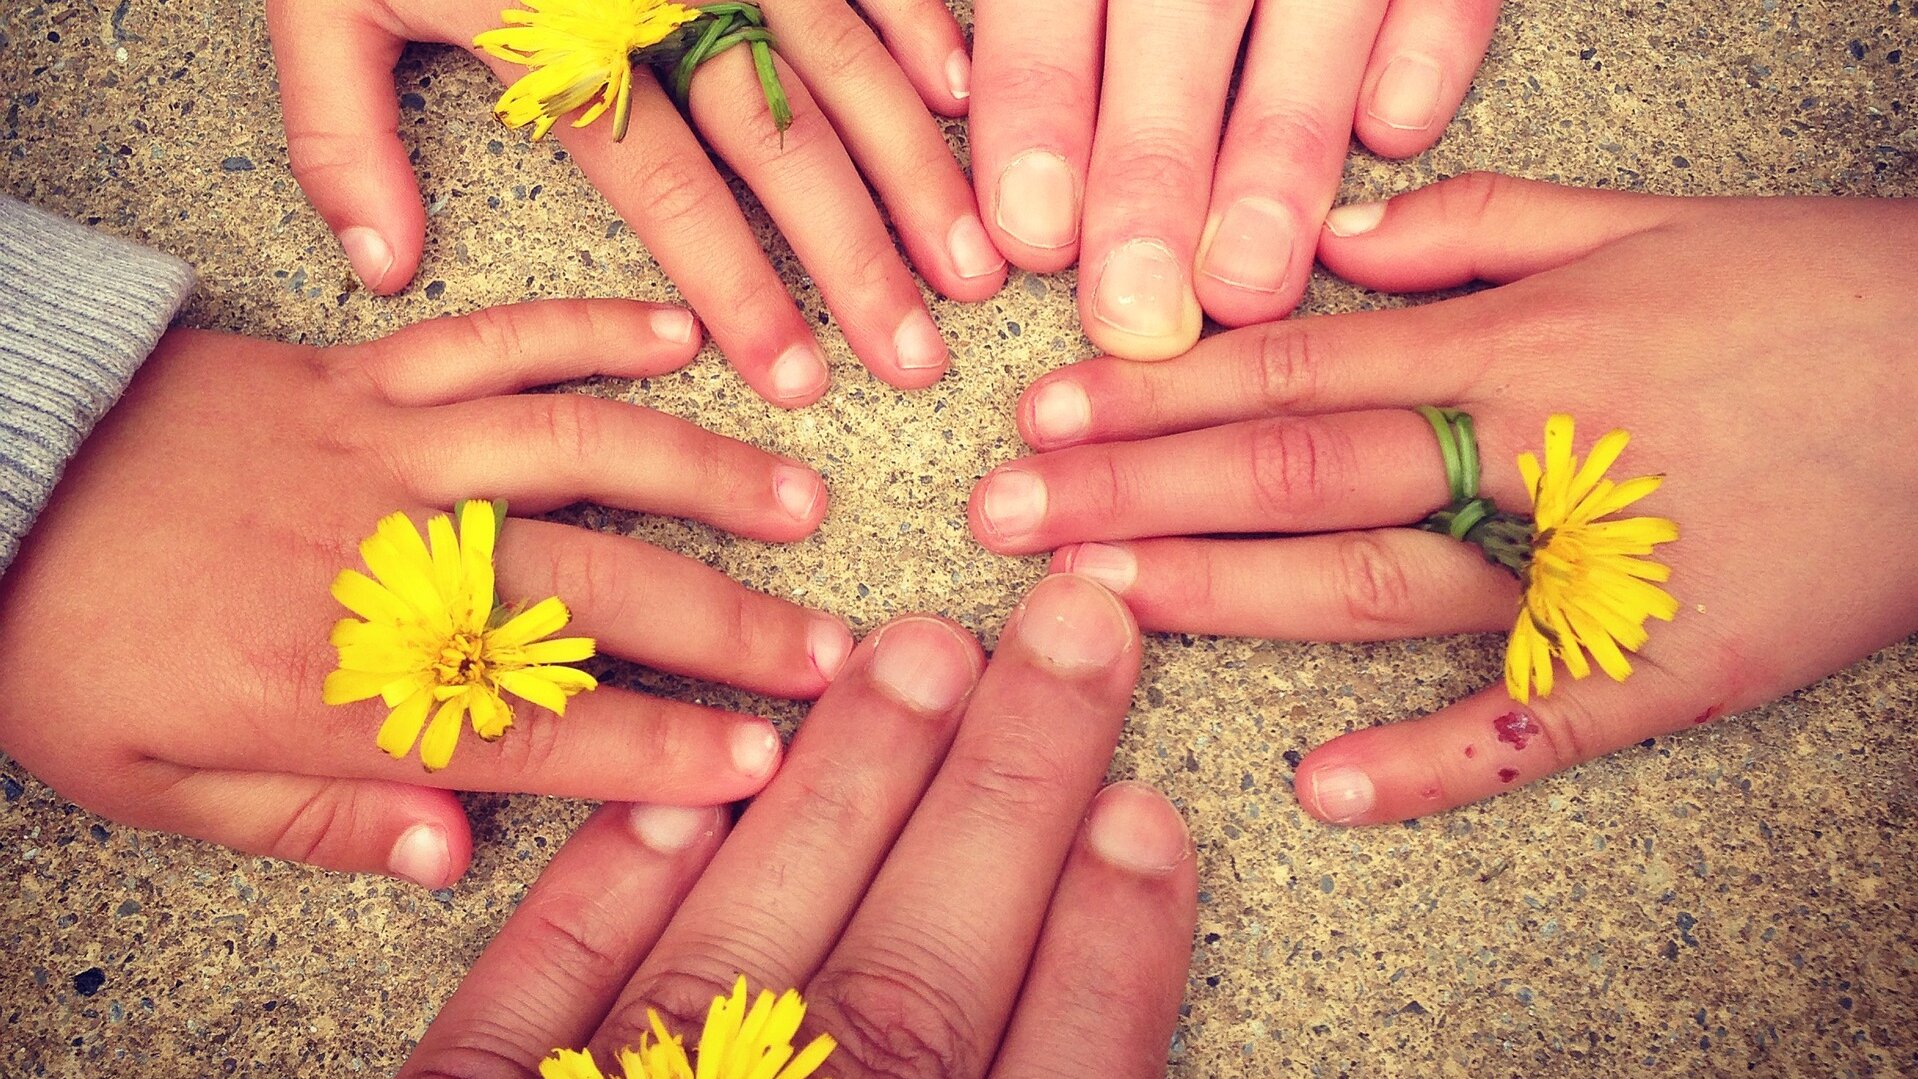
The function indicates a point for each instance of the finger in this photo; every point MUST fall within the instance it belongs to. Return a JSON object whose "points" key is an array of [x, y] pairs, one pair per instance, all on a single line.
{"points": [[1381, 585], [544, 451], [415, 833], [621, 592], [926, 974], [1283, 153], [886, 128], [1488, 744], [1159, 115], [1102, 999], [611, 744], [809, 845], [335, 66], [1291, 474], [557, 963], [1426, 55], [1334, 363], [926, 41], [1480, 227], [812, 192], [500, 350], [1032, 123]]}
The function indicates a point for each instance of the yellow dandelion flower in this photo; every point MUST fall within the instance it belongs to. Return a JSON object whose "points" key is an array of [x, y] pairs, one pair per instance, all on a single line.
{"points": [[1588, 587], [580, 53], [430, 639], [738, 1043]]}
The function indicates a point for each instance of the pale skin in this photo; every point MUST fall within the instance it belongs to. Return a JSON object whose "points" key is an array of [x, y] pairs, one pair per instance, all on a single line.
{"points": [[1101, 136], [1759, 351], [863, 98], [940, 876], [164, 630]]}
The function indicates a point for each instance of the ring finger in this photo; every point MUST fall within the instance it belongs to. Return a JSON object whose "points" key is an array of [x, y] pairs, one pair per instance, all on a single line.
{"points": [[1288, 474]]}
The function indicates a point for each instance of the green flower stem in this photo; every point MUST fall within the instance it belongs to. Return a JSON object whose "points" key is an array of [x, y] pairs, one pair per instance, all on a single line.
{"points": [[1505, 538], [723, 26]]}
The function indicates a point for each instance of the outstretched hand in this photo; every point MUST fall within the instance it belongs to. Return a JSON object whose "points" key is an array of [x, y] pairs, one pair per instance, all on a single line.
{"points": [[858, 111], [932, 868], [1759, 352], [164, 630]]}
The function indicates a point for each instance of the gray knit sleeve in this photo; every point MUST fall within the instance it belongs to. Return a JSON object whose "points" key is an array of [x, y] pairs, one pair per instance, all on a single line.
{"points": [[79, 312]]}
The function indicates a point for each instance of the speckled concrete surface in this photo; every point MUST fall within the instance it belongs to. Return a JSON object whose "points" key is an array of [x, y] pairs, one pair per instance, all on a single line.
{"points": [[1734, 900]]}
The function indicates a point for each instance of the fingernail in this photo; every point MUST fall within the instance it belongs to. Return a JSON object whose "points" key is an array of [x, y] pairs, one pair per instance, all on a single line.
{"points": [[916, 344], [1134, 828], [1407, 94], [798, 373], [1355, 220], [1060, 411], [421, 856], [972, 252], [1013, 503], [1342, 793], [671, 829], [959, 74], [1252, 246], [755, 747], [1142, 290], [924, 663], [368, 253], [796, 490], [1038, 200], [828, 642], [1112, 566], [1074, 623], [673, 324]]}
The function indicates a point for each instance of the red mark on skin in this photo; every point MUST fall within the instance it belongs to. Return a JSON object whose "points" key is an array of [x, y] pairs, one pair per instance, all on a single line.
{"points": [[1706, 716], [1506, 775], [1471, 751], [1429, 794], [1516, 728]]}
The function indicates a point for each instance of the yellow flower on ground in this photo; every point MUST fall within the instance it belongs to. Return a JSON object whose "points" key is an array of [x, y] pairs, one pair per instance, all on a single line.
{"points": [[1588, 587], [580, 52], [738, 1043], [430, 639]]}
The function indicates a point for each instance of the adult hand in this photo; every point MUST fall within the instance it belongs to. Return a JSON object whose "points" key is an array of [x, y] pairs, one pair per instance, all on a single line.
{"points": [[164, 631], [924, 868], [856, 110], [1785, 429], [1164, 217]]}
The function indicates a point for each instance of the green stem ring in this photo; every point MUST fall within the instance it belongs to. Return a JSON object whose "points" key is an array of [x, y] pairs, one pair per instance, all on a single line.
{"points": [[1506, 539], [721, 27]]}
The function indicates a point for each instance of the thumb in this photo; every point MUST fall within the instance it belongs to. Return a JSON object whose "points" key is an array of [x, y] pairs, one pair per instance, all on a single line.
{"points": [[418, 834], [342, 134], [1488, 744], [1480, 227]]}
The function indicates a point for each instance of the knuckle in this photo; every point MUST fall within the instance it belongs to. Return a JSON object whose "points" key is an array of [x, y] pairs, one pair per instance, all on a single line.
{"points": [[577, 931], [1567, 727], [575, 428], [676, 191], [1017, 776], [834, 802], [316, 153], [848, 50], [894, 1023], [583, 571], [1475, 195], [315, 822], [1291, 135], [681, 997], [1377, 591], [1294, 465], [868, 267], [1155, 163], [1285, 369], [534, 747], [1038, 81], [496, 333]]}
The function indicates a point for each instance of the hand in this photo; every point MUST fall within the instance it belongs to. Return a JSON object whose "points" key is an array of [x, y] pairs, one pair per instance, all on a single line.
{"points": [[164, 631], [336, 59], [1162, 216], [1759, 351], [923, 868]]}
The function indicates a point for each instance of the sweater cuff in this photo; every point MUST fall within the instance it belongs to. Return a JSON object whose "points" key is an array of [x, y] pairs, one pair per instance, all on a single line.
{"points": [[79, 312]]}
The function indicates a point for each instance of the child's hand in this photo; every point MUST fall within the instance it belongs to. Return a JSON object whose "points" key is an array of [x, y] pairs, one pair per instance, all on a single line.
{"points": [[164, 632], [924, 869], [1163, 217], [1759, 351], [856, 113]]}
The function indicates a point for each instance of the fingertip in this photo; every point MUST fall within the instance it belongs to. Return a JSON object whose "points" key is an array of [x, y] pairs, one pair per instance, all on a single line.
{"points": [[434, 851], [829, 644], [1402, 104], [1055, 411], [1133, 827], [920, 355], [679, 330], [1073, 624], [374, 260], [1255, 258], [1140, 304], [802, 500], [674, 831], [1033, 210], [1006, 508], [1335, 789], [797, 377], [928, 663]]}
